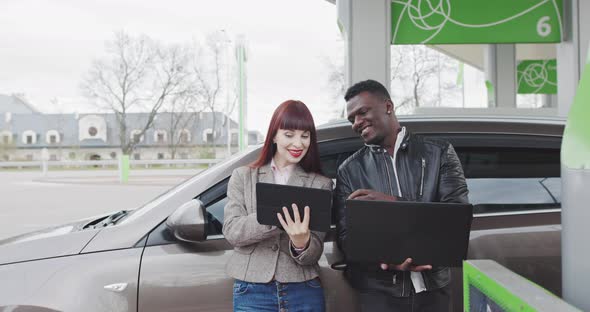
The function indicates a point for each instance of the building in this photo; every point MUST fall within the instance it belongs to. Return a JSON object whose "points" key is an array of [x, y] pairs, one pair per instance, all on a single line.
{"points": [[16, 104], [24, 133]]}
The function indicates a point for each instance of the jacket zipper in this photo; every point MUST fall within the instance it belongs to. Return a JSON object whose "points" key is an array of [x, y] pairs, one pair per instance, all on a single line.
{"points": [[404, 283], [385, 156], [388, 175], [422, 177]]}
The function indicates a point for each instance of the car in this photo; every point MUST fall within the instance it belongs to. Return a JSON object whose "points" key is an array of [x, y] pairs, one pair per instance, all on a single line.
{"points": [[170, 254]]}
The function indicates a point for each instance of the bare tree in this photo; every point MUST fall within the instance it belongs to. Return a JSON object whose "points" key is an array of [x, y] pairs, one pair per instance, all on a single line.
{"points": [[208, 66], [6, 148], [138, 74], [413, 66], [417, 76], [337, 84], [183, 112]]}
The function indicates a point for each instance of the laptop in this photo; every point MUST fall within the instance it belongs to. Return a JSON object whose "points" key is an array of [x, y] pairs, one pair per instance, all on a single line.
{"points": [[271, 198], [390, 232]]}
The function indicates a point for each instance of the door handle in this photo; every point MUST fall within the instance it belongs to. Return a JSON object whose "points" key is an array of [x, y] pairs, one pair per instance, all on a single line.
{"points": [[118, 287]]}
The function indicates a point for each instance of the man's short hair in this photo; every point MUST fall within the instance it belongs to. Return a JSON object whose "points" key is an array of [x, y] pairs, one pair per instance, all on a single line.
{"points": [[371, 86]]}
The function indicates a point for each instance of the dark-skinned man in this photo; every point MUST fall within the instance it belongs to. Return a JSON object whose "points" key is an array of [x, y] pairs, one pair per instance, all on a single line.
{"points": [[395, 165]]}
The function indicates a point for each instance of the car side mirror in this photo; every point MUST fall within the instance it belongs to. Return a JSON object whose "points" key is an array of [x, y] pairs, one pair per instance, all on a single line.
{"points": [[188, 223]]}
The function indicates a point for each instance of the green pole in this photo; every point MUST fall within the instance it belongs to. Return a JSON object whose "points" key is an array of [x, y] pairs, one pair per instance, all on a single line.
{"points": [[124, 168], [491, 94], [575, 149]]}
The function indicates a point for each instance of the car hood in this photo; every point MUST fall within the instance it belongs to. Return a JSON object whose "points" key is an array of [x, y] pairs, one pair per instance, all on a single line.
{"points": [[58, 241]]}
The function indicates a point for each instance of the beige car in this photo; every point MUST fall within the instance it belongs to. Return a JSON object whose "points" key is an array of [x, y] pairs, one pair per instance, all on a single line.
{"points": [[169, 255]]}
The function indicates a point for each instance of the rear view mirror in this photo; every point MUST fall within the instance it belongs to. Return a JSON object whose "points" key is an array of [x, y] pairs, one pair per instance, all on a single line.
{"points": [[188, 222]]}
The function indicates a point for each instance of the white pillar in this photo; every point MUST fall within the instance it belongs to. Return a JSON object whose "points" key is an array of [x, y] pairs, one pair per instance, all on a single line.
{"points": [[572, 52], [572, 55], [366, 28], [500, 71]]}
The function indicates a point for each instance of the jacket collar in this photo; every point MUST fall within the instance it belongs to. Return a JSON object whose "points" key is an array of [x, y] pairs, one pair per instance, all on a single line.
{"points": [[403, 135]]}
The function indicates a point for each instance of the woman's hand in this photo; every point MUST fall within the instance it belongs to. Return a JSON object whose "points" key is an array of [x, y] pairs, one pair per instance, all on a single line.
{"points": [[298, 230]]}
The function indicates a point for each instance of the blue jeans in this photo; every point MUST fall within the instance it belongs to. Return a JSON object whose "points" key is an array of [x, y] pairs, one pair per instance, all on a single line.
{"points": [[306, 296]]}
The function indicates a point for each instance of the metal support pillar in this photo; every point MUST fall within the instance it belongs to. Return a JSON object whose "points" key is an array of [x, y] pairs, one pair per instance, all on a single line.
{"points": [[366, 28], [500, 72]]}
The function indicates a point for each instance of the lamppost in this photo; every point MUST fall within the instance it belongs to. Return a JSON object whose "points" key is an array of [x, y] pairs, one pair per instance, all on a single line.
{"points": [[227, 43]]}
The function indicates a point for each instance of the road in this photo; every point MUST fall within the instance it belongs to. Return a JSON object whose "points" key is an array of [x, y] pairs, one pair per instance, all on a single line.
{"points": [[30, 201]]}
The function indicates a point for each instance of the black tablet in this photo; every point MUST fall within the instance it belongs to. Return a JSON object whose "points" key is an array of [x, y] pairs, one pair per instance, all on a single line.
{"points": [[271, 198], [391, 232]]}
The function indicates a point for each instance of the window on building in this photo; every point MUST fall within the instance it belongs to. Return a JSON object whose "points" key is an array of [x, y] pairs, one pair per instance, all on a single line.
{"points": [[136, 156], [92, 131], [53, 157], [6, 157], [29, 137], [72, 155], [183, 156], [136, 138], [184, 137], [6, 139], [234, 139], [208, 135], [113, 155], [160, 155], [29, 157], [52, 137], [160, 138]]}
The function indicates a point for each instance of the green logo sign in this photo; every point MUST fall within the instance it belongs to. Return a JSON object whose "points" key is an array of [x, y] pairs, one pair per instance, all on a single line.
{"points": [[537, 76], [475, 21]]}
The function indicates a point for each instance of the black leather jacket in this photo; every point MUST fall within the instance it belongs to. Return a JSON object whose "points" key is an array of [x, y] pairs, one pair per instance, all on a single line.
{"points": [[428, 171]]}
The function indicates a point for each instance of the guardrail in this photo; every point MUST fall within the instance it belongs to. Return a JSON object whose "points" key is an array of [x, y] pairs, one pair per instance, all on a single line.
{"points": [[488, 286], [44, 165]]}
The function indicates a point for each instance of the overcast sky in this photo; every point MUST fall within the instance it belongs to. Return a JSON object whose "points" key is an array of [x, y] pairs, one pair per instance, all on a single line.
{"points": [[48, 45]]}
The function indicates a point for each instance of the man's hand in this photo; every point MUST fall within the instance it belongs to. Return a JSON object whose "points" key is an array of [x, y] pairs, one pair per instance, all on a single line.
{"points": [[406, 266], [363, 194], [297, 229]]}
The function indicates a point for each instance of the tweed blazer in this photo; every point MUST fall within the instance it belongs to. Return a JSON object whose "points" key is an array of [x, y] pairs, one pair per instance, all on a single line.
{"points": [[262, 252]]}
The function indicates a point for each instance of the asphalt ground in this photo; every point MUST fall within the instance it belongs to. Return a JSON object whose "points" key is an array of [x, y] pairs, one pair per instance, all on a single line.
{"points": [[30, 201]]}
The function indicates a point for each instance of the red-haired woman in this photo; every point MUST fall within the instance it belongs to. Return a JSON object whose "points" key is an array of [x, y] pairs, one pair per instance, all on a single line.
{"points": [[277, 270]]}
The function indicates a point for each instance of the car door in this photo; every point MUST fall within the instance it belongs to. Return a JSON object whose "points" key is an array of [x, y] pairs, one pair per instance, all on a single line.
{"points": [[514, 184], [176, 276]]}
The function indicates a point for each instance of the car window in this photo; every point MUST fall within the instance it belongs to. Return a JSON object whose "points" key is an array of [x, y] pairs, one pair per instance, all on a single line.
{"points": [[514, 194], [215, 217], [511, 178], [333, 153], [214, 200]]}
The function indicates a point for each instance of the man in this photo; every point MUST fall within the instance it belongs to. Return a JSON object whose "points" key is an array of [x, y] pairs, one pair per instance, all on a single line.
{"points": [[395, 165]]}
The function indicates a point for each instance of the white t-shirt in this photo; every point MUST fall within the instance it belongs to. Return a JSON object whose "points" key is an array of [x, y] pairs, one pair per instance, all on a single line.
{"points": [[416, 277]]}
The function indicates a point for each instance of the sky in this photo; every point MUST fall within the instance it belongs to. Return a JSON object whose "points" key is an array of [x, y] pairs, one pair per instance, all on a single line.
{"points": [[47, 46]]}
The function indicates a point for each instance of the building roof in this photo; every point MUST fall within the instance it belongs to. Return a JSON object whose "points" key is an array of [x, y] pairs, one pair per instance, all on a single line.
{"points": [[68, 127], [15, 104]]}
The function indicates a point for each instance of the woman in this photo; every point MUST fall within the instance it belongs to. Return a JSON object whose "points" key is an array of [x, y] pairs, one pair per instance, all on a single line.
{"points": [[277, 270]]}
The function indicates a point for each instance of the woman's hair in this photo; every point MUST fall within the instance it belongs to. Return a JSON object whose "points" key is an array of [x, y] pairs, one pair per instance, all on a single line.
{"points": [[291, 115]]}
